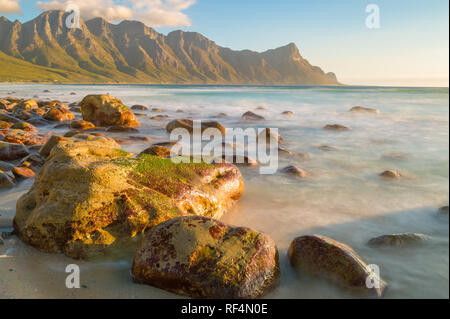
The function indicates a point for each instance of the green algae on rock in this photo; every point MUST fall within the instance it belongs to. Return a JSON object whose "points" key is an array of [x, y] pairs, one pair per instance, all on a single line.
{"points": [[90, 196], [203, 258], [328, 258]]}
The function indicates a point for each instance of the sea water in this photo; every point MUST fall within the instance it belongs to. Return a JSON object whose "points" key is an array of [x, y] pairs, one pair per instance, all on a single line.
{"points": [[343, 198]]}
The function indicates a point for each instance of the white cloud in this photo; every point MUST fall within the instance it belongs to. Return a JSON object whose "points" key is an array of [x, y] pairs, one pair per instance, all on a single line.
{"points": [[10, 6], [154, 13]]}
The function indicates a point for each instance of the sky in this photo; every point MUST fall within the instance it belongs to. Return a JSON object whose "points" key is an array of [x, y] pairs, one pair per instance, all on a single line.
{"points": [[410, 46]]}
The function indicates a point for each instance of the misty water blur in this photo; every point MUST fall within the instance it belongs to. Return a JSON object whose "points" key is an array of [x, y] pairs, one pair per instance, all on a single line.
{"points": [[344, 198]]}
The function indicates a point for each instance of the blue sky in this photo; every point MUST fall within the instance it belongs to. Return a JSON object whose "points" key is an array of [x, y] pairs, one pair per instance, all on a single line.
{"points": [[411, 47]]}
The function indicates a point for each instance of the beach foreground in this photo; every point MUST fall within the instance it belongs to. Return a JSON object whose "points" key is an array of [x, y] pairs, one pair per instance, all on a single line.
{"points": [[348, 174]]}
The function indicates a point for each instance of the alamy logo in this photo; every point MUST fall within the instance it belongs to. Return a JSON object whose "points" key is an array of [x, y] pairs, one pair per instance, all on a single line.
{"points": [[373, 278], [73, 279], [373, 19], [73, 19], [236, 145]]}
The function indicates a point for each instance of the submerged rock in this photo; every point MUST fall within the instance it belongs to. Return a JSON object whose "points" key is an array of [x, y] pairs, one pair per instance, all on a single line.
{"points": [[139, 107], [271, 136], [289, 113], [330, 259], [90, 195], [390, 174], [6, 180], [295, 171], [12, 151], [443, 210], [361, 109], [188, 125], [336, 127], [250, 116], [397, 240], [105, 110], [121, 128], [204, 258]]}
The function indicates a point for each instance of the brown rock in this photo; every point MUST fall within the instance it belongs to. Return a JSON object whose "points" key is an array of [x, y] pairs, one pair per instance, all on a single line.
{"points": [[5, 125], [24, 126], [399, 240], [105, 110], [330, 259], [271, 136], [121, 128], [361, 109], [59, 114], [203, 258], [295, 171], [250, 116], [24, 137], [6, 180], [335, 127], [157, 150], [82, 125], [139, 108], [48, 146], [188, 125], [23, 172], [289, 113], [11, 151], [391, 174]]}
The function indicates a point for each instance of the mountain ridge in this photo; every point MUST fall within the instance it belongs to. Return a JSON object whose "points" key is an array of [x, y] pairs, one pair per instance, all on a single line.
{"points": [[131, 52]]}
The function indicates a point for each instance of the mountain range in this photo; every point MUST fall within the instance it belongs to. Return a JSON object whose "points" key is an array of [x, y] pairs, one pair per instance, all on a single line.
{"points": [[45, 50]]}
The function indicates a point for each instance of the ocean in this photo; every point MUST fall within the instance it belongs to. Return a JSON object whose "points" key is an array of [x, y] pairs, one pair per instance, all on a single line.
{"points": [[344, 198]]}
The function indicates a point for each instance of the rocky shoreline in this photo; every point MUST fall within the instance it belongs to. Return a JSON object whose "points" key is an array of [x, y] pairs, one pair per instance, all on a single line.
{"points": [[90, 198]]}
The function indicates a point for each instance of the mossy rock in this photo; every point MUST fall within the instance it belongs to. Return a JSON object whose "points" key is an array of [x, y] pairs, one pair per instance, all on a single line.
{"points": [[329, 259], [106, 110], [91, 197], [203, 258]]}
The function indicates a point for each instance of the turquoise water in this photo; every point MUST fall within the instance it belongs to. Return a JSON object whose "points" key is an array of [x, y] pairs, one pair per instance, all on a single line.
{"points": [[344, 198]]}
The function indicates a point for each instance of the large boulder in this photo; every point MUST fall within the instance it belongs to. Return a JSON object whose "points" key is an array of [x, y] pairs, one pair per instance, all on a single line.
{"points": [[204, 258], [90, 195], [106, 110], [330, 259]]}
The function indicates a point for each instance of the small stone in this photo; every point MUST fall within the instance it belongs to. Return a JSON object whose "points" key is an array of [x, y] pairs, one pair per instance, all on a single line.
{"points": [[361, 109], [157, 110], [6, 181], [250, 116], [335, 127], [82, 125], [121, 128], [24, 126], [295, 171], [23, 172], [289, 113], [391, 174], [157, 150], [139, 107]]}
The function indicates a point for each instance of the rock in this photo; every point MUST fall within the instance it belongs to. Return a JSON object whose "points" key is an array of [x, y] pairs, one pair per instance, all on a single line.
{"points": [[25, 105], [295, 171], [391, 174], [240, 160], [140, 138], [6, 181], [24, 126], [23, 172], [261, 108], [33, 162], [140, 114], [139, 107], [324, 257], [188, 125], [361, 109], [157, 110], [5, 125], [221, 115], [1, 240], [82, 125], [5, 105], [398, 240], [250, 116], [203, 258], [326, 148], [11, 151], [24, 137], [180, 111], [443, 210], [75, 109], [157, 150], [4, 166], [271, 136], [105, 110], [73, 93], [159, 117], [335, 127], [8, 118], [95, 138], [90, 196], [48, 146], [121, 128], [59, 114], [289, 113]]}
